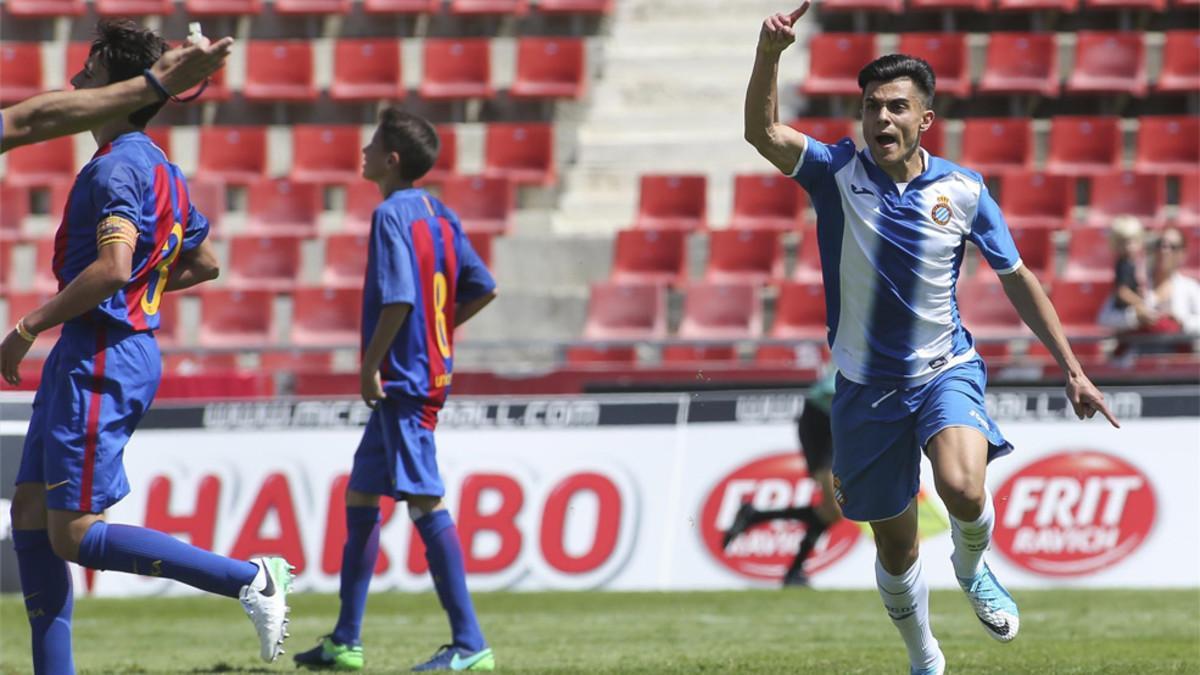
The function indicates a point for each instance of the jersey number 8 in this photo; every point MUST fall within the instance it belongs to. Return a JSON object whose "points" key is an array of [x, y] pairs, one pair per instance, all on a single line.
{"points": [[158, 278], [439, 309]]}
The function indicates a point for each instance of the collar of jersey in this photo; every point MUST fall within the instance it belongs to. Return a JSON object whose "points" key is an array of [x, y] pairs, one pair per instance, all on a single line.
{"points": [[934, 169], [119, 140]]}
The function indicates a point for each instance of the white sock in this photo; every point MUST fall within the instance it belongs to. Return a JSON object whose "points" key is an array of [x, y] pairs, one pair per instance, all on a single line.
{"points": [[906, 599], [971, 539]]}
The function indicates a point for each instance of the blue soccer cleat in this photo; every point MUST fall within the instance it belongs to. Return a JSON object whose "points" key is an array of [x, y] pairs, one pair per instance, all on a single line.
{"points": [[450, 657], [936, 669], [996, 609]]}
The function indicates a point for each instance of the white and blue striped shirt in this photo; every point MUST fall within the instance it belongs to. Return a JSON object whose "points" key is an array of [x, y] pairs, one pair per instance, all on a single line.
{"points": [[891, 257]]}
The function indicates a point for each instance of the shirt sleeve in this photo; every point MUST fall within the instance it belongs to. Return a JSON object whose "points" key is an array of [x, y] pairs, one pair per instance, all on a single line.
{"points": [[990, 233], [391, 260], [116, 192], [474, 279], [821, 161]]}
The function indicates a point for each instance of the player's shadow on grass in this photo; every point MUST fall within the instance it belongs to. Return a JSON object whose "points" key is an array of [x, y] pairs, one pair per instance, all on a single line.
{"points": [[227, 668]]}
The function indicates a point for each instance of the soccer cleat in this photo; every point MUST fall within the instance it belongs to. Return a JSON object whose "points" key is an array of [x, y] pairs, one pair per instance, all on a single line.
{"points": [[936, 669], [268, 608], [329, 655], [996, 609], [741, 522], [795, 578], [449, 657]]}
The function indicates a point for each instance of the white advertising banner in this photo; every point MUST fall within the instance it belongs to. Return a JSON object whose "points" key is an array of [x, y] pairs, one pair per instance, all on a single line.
{"points": [[634, 493]]}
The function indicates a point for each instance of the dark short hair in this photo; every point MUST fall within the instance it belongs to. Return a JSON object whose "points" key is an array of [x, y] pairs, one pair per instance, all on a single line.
{"points": [[895, 66], [413, 138], [126, 49]]}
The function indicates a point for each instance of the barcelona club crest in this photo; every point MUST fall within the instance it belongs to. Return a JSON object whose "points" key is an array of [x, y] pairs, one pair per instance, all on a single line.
{"points": [[941, 211]]}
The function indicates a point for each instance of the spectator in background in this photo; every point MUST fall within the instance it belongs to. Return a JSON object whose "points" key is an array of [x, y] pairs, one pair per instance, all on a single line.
{"points": [[1171, 302], [1128, 242]]}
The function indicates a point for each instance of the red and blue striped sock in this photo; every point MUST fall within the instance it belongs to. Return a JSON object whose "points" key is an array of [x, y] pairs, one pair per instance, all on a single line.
{"points": [[358, 564], [46, 585], [444, 553]]}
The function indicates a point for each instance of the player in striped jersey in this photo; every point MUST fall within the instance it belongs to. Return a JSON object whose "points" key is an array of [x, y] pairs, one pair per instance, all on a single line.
{"points": [[892, 223], [423, 279]]}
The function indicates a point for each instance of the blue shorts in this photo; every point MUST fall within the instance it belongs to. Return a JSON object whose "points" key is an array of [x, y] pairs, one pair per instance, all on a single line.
{"points": [[96, 384], [880, 432], [397, 455]]}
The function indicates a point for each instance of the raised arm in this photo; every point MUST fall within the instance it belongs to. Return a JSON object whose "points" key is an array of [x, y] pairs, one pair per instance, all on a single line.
{"points": [[61, 113], [778, 143], [1027, 296]]}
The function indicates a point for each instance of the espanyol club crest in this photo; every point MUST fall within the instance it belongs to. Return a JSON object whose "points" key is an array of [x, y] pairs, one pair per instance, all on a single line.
{"points": [[941, 212]]}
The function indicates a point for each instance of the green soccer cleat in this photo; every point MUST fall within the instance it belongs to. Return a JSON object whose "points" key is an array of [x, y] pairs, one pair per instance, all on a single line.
{"points": [[329, 655]]}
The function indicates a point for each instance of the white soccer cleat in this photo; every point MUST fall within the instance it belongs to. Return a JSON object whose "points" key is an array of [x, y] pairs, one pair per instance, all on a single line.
{"points": [[268, 608]]}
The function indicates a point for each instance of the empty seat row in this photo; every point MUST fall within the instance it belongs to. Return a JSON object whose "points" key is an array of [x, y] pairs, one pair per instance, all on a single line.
{"points": [[1016, 63], [52, 8], [897, 6], [367, 69]]}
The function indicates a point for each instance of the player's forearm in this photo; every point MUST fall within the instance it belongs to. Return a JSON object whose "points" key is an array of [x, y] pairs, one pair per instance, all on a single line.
{"points": [[94, 285], [762, 98], [194, 267], [469, 309], [60, 113], [1035, 309], [391, 318]]}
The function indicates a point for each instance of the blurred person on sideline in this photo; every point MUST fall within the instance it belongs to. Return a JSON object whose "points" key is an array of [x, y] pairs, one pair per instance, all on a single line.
{"points": [[1170, 303]]}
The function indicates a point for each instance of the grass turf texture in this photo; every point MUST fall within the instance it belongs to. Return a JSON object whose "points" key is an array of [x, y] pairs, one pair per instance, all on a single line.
{"points": [[793, 631]]}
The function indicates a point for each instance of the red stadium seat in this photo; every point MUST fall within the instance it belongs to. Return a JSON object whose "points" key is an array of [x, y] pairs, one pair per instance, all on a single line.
{"points": [[233, 154], [312, 6], [1168, 144], [987, 313], [283, 207], [481, 243], [893, 6], [7, 246], [691, 354], [457, 68], [1021, 63], [14, 206], [1126, 193], [45, 8], [266, 263], [1180, 62], [44, 280], [834, 62], [997, 145], [1036, 199], [1151, 5], [768, 201], [825, 129], [23, 302], [575, 6], [197, 363], [522, 153], [134, 7], [402, 6], [279, 70], [1089, 255], [650, 256], [745, 256], [295, 360], [799, 312], [965, 5], [482, 204], [447, 159], [947, 54], [1036, 246], [326, 154], [619, 311], [41, 164], [808, 259], [222, 7], [719, 311], [582, 355], [934, 140], [1085, 145], [1108, 63], [550, 68], [20, 71], [215, 92], [1034, 5], [345, 260], [366, 70], [1189, 200], [235, 318], [515, 7], [679, 201], [209, 198], [326, 317], [1078, 304], [361, 199], [161, 135]]}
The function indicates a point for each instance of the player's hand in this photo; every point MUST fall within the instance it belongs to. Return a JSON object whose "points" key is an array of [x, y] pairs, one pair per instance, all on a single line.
{"points": [[371, 388], [182, 68], [12, 351], [777, 32], [1087, 400]]}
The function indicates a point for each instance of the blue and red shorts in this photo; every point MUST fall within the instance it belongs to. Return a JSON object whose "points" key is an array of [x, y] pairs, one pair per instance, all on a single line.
{"points": [[98, 381], [397, 455]]}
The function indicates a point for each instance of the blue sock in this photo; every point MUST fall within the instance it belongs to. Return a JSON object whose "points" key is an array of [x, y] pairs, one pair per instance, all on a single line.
{"points": [[358, 564], [140, 550], [46, 585], [444, 553]]}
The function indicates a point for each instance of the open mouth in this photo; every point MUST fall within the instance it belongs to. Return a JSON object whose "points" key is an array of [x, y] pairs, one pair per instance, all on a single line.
{"points": [[886, 141]]}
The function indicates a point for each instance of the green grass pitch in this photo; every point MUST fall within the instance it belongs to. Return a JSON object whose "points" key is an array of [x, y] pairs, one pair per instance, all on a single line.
{"points": [[793, 631]]}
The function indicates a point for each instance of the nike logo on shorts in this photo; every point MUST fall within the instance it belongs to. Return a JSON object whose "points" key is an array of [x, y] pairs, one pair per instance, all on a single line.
{"points": [[58, 484]]}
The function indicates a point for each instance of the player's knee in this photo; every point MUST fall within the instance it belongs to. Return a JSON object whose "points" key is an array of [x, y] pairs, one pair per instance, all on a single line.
{"points": [[963, 498], [897, 555], [28, 510], [354, 498], [64, 542], [418, 507]]}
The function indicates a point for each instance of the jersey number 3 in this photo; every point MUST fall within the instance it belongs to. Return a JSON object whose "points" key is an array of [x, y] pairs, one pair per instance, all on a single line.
{"points": [[439, 310], [158, 277]]}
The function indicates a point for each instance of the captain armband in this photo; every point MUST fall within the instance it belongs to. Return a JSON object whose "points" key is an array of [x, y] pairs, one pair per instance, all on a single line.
{"points": [[116, 230]]}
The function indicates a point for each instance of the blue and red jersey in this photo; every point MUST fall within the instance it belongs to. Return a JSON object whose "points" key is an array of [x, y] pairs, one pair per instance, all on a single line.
{"points": [[418, 255], [130, 179]]}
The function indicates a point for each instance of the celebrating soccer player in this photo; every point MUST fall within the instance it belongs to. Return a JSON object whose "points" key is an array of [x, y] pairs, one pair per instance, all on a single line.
{"points": [[423, 279], [129, 234], [892, 221]]}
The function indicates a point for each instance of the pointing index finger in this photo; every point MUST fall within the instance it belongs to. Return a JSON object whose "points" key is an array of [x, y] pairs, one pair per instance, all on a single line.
{"points": [[799, 11], [1099, 405]]}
